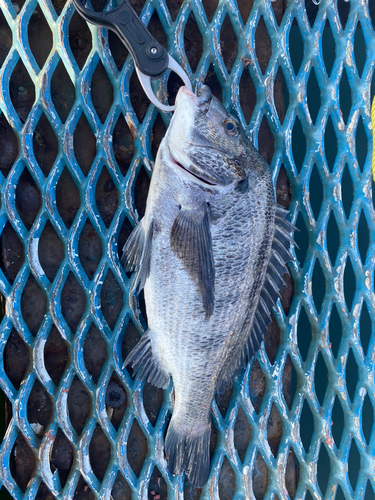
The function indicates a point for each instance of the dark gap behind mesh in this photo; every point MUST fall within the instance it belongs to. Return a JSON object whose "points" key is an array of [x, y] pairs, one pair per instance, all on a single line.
{"points": [[50, 251], [223, 400], [12, 253], [62, 456], [324, 469], [79, 39], [333, 238], [266, 146], [351, 374], [22, 91], [45, 145], [62, 91], [89, 249], [5, 37], [306, 426], [157, 487], [321, 378], [228, 43], [116, 401], [118, 50], [73, 302], [242, 434], [193, 42], [338, 422], [9, 148], [262, 45], [329, 48], [111, 299], [289, 381], [280, 95], [94, 352], [274, 430], [99, 452], [303, 333], [313, 95], [139, 100], [316, 187], [38, 30], [67, 198], [257, 385], [272, 339], [318, 286], [123, 144], [28, 199], [23, 462], [101, 92], [292, 474], [296, 47], [55, 355], [16, 358], [39, 407], [247, 94], [106, 197], [121, 490], [301, 237], [79, 405], [136, 448], [83, 491], [227, 481], [152, 401], [142, 185], [349, 284], [260, 477], [84, 144], [129, 341], [42, 494]]}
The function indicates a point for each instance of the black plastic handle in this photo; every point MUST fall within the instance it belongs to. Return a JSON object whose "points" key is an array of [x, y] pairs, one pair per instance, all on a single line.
{"points": [[149, 56]]}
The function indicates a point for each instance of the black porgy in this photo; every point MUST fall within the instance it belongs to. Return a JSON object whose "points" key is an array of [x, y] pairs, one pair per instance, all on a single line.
{"points": [[210, 253]]}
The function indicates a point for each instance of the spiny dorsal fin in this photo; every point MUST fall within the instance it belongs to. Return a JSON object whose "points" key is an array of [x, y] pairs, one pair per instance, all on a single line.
{"points": [[254, 332], [191, 241], [137, 253], [273, 282]]}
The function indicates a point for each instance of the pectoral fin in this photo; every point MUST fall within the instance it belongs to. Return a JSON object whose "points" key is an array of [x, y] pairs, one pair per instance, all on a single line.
{"points": [[137, 253], [191, 241]]}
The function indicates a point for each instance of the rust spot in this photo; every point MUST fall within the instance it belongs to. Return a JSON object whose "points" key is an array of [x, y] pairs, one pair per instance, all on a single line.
{"points": [[247, 61]]}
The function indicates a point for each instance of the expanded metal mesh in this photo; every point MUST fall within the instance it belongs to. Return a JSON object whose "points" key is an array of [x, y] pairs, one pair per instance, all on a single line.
{"points": [[75, 155]]}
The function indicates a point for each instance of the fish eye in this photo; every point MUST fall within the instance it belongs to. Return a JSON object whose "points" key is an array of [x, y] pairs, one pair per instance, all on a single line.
{"points": [[231, 128]]}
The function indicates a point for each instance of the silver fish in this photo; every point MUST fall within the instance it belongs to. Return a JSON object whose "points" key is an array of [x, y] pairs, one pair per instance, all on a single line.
{"points": [[210, 253]]}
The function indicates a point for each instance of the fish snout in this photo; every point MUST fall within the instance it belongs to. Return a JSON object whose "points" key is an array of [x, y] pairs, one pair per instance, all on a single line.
{"points": [[202, 100]]}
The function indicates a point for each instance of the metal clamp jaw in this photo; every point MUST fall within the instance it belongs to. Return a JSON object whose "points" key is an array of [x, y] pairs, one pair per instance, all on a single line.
{"points": [[150, 58]]}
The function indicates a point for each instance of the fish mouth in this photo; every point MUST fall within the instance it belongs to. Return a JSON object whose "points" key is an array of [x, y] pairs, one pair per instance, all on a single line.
{"points": [[197, 174]]}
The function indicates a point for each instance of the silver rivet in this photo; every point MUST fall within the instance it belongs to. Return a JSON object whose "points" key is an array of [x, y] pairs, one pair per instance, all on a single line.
{"points": [[154, 50]]}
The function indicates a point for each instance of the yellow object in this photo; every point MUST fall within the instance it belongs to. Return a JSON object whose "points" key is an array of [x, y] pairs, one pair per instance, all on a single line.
{"points": [[373, 138]]}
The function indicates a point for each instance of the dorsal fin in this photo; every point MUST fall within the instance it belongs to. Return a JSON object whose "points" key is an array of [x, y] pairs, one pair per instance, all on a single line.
{"points": [[273, 281]]}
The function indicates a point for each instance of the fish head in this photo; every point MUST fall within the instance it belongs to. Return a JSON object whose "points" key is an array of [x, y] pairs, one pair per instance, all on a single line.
{"points": [[207, 142]]}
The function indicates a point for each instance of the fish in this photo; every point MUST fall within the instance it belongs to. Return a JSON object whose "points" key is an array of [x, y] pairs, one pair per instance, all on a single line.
{"points": [[210, 254]]}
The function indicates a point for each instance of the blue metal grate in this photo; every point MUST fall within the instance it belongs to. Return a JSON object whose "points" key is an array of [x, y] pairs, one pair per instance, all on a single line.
{"points": [[333, 276]]}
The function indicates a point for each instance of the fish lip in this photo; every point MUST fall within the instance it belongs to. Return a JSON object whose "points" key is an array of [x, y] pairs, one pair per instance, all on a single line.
{"points": [[198, 178]]}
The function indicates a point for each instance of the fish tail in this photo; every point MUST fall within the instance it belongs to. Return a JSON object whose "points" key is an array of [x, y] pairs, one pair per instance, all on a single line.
{"points": [[189, 453]]}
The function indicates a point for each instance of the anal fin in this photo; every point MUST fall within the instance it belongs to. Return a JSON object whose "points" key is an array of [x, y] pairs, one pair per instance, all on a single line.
{"points": [[144, 363]]}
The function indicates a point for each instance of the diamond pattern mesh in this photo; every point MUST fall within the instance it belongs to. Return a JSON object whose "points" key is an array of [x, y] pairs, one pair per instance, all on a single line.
{"points": [[76, 142]]}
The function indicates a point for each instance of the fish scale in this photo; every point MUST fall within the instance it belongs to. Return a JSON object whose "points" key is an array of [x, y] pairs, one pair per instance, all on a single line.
{"points": [[202, 252]]}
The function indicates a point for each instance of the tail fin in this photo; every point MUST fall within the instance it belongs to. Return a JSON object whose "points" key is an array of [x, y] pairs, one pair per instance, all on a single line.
{"points": [[189, 453]]}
